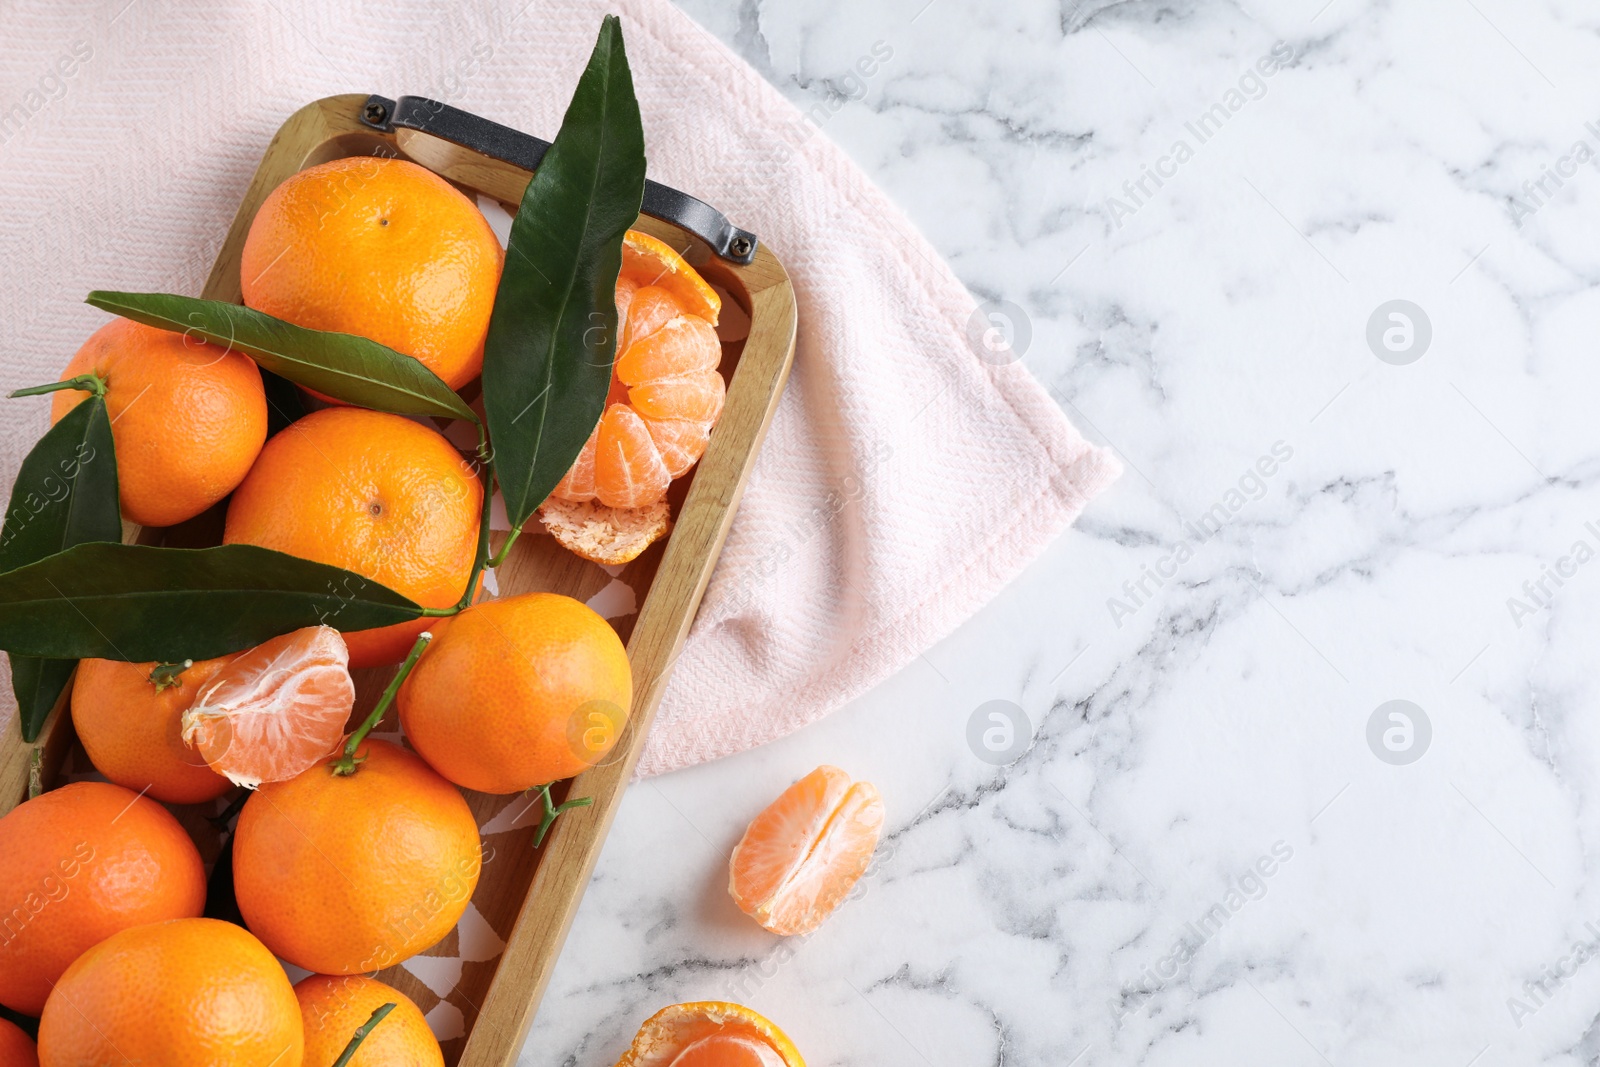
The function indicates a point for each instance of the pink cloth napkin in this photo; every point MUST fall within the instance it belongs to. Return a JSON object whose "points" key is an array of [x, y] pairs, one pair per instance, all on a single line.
{"points": [[905, 479]]}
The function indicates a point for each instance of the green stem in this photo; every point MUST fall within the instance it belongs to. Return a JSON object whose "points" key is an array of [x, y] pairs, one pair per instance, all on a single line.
{"points": [[440, 613], [36, 772], [482, 554], [166, 675], [505, 549], [552, 813], [361, 1035], [89, 383], [346, 764]]}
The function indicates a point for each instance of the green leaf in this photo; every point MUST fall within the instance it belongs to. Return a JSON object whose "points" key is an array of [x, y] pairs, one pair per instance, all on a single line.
{"points": [[137, 603], [552, 337], [65, 494], [340, 365]]}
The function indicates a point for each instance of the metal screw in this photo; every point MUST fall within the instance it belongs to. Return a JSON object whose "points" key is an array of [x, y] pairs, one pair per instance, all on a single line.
{"points": [[375, 114], [741, 246]]}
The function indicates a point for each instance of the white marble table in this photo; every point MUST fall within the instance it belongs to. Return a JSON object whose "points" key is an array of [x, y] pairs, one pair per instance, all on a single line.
{"points": [[1202, 859]]}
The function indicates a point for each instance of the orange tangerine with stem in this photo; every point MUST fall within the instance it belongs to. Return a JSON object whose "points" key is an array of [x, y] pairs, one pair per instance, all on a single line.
{"points": [[270, 713], [710, 1034], [666, 392], [334, 1007], [801, 856], [359, 863], [129, 717], [187, 418]]}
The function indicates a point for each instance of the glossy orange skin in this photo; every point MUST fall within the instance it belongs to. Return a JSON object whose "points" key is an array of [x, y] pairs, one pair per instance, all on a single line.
{"points": [[381, 248], [131, 731], [188, 418], [332, 1007], [345, 875], [503, 697], [81, 863], [187, 993], [375, 494], [16, 1048]]}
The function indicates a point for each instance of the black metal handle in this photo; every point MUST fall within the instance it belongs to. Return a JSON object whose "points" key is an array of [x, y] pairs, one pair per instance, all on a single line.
{"points": [[525, 151]]}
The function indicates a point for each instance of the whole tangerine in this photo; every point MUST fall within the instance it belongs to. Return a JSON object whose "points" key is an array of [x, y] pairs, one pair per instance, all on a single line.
{"points": [[517, 693], [373, 493], [345, 874], [81, 863], [187, 418], [380, 248], [16, 1047], [332, 1007], [183, 993], [129, 717]]}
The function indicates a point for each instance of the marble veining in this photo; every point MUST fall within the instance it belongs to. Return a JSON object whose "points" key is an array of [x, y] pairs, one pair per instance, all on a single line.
{"points": [[1214, 839]]}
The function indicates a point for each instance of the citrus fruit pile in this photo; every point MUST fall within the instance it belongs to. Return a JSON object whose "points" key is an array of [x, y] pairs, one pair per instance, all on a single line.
{"points": [[354, 534]]}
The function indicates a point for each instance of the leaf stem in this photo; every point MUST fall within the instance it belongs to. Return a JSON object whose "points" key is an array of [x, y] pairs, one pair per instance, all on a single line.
{"points": [[89, 383], [552, 813], [361, 1035], [346, 764], [36, 772], [505, 549], [482, 555]]}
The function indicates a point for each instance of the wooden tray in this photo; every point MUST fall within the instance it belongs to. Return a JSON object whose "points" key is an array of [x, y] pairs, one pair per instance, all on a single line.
{"points": [[526, 897]]}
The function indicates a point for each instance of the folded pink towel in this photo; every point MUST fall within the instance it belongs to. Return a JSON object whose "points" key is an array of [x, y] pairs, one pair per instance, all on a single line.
{"points": [[911, 471]]}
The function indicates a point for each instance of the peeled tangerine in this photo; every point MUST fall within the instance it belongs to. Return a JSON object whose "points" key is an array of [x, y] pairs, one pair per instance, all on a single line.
{"points": [[666, 395], [274, 711], [710, 1034], [802, 855]]}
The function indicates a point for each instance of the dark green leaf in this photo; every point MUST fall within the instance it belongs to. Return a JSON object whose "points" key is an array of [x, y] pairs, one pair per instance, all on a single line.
{"points": [[340, 365], [552, 338], [135, 602], [65, 494]]}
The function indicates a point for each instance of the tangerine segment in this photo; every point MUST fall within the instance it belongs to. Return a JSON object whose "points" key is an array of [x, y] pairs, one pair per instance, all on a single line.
{"points": [[801, 857], [275, 710], [649, 261], [333, 1007], [129, 717], [381, 248], [710, 1034], [666, 392], [373, 493], [185, 993], [187, 418], [628, 469]]}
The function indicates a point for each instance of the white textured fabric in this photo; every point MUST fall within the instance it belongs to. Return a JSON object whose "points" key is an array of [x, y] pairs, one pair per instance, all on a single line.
{"points": [[904, 480]]}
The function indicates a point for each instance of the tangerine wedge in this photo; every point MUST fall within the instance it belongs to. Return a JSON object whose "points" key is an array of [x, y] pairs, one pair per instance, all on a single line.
{"points": [[274, 711], [666, 392], [710, 1033], [802, 855]]}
